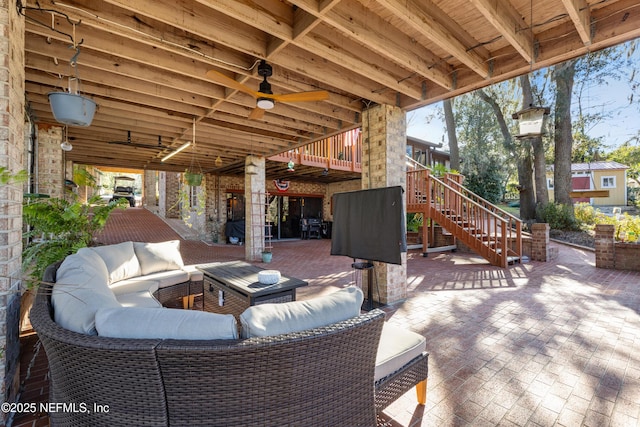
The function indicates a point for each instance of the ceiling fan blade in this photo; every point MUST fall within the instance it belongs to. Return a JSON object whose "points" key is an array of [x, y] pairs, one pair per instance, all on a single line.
{"points": [[256, 114], [139, 145], [218, 77], [315, 95]]}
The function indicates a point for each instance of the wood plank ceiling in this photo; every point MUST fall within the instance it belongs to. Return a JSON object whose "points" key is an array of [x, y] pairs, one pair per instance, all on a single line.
{"points": [[144, 63]]}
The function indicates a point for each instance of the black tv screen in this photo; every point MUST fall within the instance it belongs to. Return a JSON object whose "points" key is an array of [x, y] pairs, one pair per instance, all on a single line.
{"points": [[369, 225]]}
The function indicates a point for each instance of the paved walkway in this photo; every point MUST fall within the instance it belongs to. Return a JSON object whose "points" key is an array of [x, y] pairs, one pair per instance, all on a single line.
{"points": [[537, 344]]}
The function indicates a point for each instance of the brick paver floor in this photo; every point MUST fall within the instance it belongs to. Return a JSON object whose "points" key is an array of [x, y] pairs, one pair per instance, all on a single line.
{"points": [[537, 344]]}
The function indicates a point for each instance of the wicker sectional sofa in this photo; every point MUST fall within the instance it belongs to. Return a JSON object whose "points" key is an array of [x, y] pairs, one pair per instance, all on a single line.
{"points": [[334, 366]]}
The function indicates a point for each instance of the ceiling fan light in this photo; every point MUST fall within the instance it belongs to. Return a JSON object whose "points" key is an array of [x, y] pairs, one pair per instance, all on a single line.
{"points": [[266, 103], [66, 146]]}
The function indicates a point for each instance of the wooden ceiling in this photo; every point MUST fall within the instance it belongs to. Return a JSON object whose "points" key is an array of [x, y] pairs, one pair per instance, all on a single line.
{"points": [[144, 63]]}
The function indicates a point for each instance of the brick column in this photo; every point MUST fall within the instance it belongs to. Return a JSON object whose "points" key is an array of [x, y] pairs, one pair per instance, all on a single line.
{"points": [[172, 195], [254, 207], [383, 165], [12, 150], [540, 243], [605, 246], [50, 161], [149, 183]]}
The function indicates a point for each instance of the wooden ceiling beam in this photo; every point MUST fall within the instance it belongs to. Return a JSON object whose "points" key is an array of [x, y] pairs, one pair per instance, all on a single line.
{"points": [[368, 30], [412, 14], [505, 18], [578, 10]]}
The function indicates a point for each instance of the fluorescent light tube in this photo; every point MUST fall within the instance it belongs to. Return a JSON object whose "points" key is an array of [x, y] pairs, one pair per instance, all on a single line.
{"points": [[173, 153]]}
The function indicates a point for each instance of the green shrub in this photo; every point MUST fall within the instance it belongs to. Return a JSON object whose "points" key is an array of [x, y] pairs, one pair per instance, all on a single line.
{"points": [[558, 216]]}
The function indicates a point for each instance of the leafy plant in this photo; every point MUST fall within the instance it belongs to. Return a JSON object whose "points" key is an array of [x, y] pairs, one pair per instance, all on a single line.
{"points": [[57, 228], [558, 216], [7, 177]]}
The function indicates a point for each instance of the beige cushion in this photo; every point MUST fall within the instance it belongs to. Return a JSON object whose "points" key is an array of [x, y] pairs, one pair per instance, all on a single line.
{"points": [[81, 289], [133, 285], [275, 319], [165, 323], [398, 346], [120, 259], [164, 278], [154, 257], [139, 299], [195, 275]]}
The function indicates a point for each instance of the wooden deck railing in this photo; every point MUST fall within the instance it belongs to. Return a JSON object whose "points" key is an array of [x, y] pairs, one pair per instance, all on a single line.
{"points": [[485, 230], [342, 152]]}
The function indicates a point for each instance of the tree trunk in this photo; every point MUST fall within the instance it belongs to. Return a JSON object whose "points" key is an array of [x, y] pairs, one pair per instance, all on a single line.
{"points": [[454, 152], [563, 76], [527, 193], [539, 163], [523, 161]]}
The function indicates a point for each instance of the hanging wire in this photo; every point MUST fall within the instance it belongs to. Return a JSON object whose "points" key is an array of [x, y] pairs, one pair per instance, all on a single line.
{"points": [[194, 158]]}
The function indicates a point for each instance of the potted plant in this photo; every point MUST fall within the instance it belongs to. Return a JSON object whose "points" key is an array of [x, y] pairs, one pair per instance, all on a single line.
{"points": [[57, 228], [266, 255], [193, 179], [71, 108]]}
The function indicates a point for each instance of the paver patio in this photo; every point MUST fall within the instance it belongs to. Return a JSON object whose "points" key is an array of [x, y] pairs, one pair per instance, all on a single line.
{"points": [[537, 344]]}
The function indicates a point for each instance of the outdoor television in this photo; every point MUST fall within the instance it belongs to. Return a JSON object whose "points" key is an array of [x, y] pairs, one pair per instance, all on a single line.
{"points": [[369, 225]]}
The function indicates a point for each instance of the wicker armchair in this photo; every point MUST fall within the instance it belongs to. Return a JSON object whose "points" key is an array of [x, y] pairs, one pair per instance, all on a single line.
{"points": [[318, 377]]}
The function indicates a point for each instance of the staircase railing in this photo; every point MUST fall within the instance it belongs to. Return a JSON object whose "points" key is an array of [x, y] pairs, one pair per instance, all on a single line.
{"points": [[514, 224], [489, 234]]}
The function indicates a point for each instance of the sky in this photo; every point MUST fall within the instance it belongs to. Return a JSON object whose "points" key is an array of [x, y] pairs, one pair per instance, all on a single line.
{"points": [[620, 127]]}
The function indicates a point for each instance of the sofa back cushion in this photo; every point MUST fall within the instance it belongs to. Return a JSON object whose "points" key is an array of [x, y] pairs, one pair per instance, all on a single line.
{"points": [[154, 257], [164, 323], [81, 289], [120, 259], [275, 319]]}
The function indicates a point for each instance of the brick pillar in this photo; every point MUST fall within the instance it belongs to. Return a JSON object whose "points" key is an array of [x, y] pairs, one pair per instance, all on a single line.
{"points": [[254, 207], [172, 195], [150, 190], [605, 246], [50, 161], [383, 165], [12, 151], [540, 243]]}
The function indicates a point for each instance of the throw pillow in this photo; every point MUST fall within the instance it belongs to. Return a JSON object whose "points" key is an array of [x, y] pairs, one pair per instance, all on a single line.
{"points": [[165, 323], [120, 259], [81, 289], [275, 319], [155, 257]]}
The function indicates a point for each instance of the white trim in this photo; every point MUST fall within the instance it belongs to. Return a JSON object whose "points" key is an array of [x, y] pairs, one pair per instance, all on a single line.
{"points": [[607, 178]]}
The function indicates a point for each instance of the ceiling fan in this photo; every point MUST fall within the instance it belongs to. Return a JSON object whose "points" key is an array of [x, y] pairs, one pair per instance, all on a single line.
{"points": [[140, 145], [265, 98]]}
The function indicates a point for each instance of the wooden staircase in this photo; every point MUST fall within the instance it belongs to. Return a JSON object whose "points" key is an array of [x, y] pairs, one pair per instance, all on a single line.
{"points": [[486, 229]]}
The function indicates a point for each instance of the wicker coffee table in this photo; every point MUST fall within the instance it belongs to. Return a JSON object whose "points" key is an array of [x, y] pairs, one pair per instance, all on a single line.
{"points": [[231, 287]]}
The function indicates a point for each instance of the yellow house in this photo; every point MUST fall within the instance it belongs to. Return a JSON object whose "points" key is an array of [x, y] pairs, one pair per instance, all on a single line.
{"points": [[597, 183]]}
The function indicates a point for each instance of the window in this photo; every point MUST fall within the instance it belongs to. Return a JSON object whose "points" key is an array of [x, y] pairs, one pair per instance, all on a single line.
{"points": [[550, 183], [608, 182]]}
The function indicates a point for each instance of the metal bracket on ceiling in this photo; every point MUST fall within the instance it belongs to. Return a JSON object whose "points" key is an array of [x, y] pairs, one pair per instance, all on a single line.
{"points": [[397, 99], [454, 80], [491, 65], [21, 11], [424, 90]]}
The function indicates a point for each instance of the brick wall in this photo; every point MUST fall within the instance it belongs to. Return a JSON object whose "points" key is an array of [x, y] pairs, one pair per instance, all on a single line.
{"points": [[383, 165], [172, 189], [12, 149], [615, 255], [50, 166], [149, 192], [540, 242]]}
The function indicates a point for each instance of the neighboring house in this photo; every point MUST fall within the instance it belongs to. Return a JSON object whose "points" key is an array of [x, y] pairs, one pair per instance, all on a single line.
{"points": [[426, 152], [591, 179]]}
